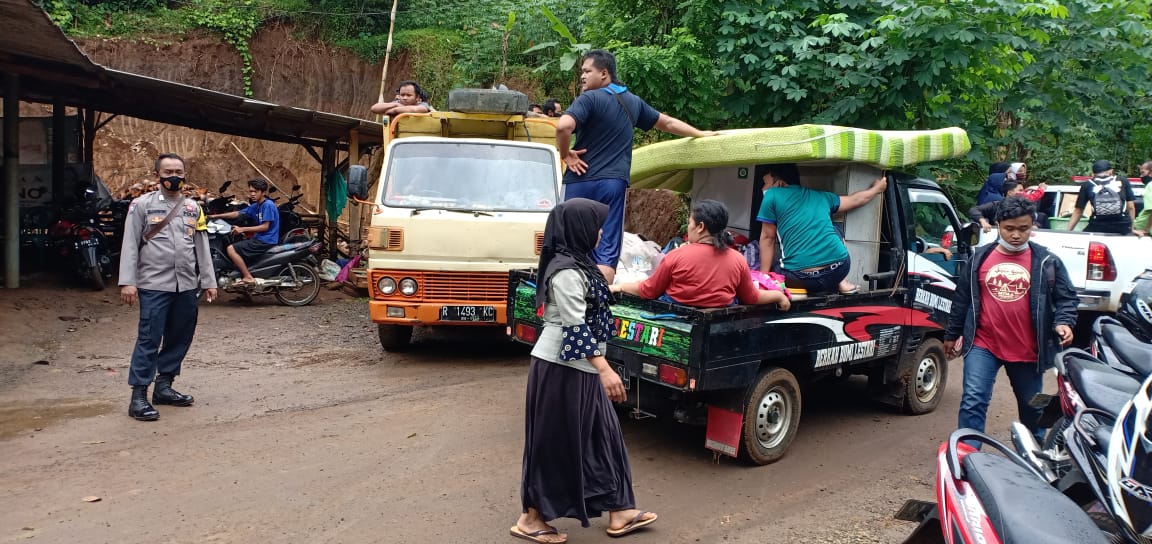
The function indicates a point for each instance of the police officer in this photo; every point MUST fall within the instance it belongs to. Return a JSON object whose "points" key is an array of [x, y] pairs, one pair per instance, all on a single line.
{"points": [[164, 263]]}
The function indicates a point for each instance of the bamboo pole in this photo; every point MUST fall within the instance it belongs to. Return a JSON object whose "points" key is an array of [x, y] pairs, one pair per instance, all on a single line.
{"points": [[265, 176], [387, 54]]}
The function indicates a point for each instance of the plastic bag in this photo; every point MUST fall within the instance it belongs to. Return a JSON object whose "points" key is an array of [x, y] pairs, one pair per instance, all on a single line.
{"points": [[343, 275], [329, 270]]}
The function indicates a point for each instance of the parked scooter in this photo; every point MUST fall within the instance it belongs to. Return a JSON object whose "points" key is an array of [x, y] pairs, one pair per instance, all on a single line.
{"points": [[1108, 469], [291, 224], [80, 241], [287, 271], [1125, 341], [992, 499]]}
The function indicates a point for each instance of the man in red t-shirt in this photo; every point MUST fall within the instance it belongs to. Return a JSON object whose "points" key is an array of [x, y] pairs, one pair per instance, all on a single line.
{"points": [[1014, 308]]}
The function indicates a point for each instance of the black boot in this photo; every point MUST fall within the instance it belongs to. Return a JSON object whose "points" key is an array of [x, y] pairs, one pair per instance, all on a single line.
{"points": [[164, 394], [139, 407]]}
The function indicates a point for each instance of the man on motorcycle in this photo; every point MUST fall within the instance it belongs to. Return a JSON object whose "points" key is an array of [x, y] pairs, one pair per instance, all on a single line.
{"points": [[267, 228], [1015, 308]]}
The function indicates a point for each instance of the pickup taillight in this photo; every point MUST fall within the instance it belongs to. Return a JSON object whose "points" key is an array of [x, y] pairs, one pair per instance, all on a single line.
{"points": [[1100, 265]]}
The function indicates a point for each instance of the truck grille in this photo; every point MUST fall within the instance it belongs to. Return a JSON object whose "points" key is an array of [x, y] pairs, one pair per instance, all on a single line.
{"points": [[488, 287]]}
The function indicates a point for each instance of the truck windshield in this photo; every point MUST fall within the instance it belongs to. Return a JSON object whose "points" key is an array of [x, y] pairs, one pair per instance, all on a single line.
{"points": [[470, 176]]}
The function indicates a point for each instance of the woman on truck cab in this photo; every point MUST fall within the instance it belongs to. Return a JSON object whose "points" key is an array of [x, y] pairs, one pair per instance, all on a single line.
{"points": [[706, 272]]}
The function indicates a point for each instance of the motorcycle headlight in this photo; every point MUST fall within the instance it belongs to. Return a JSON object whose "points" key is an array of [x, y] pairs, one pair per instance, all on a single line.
{"points": [[386, 285], [408, 287]]}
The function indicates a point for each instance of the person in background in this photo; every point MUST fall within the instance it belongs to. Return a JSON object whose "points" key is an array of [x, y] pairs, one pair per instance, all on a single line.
{"points": [[575, 462], [535, 108], [1113, 202], [604, 118], [410, 98], [813, 255], [164, 263], [1141, 224], [985, 214], [991, 191], [707, 272], [263, 212], [1014, 308], [552, 108]]}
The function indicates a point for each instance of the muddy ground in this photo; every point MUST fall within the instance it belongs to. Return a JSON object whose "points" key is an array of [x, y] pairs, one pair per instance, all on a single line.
{"points": [[305, 431]]}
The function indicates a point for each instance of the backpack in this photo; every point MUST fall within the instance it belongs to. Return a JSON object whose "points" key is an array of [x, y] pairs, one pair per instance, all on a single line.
{"points": [[1107, 200]]}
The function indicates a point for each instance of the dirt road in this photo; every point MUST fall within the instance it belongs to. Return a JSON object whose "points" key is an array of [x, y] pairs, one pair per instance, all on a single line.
{"points": [[305, 431]]}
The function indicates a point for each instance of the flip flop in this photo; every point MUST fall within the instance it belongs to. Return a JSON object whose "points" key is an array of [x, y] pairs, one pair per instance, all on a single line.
{"points": [[633, 525], [534, 536], [852, 291]]}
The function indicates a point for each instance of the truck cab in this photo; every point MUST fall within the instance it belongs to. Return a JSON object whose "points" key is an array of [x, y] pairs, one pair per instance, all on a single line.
{"points": [[461, 200]]}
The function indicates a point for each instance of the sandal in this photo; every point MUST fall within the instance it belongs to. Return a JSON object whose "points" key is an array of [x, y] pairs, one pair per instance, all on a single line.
{"points": [[534, 536], [633, 525]]}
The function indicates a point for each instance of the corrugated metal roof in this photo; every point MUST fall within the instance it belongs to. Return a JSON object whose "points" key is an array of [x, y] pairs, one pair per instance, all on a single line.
{"points": [[53, 68]]}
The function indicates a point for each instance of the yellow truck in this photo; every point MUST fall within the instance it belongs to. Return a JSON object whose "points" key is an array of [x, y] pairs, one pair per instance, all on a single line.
{"points": [[462, 199]]}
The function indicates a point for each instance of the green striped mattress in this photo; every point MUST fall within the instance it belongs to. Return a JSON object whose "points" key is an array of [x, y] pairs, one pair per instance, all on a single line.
{"points": [[669, 165]]}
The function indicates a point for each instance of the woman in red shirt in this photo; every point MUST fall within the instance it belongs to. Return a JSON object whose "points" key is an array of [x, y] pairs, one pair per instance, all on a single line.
{"points": [[706, 272]]}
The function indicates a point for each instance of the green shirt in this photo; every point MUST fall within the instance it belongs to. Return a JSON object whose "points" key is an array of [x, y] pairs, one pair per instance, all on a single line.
{"points": [[803, 219], [1142, 221]]}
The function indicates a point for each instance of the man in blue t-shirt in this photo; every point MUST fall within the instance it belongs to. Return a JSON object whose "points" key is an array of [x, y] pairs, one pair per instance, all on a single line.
{"points": [[813, 256], [266, 217], [603, 118]]}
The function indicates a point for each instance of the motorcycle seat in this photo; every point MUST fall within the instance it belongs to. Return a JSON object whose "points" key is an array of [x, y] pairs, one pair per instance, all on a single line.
{"points": [[1128, 349], [1022, 508], [281, 248], [1099, 385]]}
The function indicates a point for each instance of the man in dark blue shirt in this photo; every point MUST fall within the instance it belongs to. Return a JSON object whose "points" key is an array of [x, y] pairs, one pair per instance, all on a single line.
{"points": [[266, 219], [603, 118]]}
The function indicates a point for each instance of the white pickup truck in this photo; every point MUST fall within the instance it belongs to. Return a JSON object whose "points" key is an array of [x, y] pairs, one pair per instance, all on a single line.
{"points": [[1100, 265]]}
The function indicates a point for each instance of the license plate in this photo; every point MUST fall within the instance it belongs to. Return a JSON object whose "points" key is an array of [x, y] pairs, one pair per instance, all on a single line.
{"points": [[91, 242], [467, 313], [623, 376]]}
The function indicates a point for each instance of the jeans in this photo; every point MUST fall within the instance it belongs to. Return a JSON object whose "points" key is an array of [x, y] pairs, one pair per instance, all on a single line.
{"points": [[825, 280], [165, 318], [614, 193], [980, 369]]}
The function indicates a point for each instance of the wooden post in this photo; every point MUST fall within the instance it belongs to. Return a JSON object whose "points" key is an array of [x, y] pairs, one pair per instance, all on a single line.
{"points": [[59, 152], [11, 198], [331, 223], [355, 215]]}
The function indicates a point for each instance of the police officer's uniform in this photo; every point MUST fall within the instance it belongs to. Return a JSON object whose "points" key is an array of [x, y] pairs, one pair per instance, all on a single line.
{"points": [[168, 271]]}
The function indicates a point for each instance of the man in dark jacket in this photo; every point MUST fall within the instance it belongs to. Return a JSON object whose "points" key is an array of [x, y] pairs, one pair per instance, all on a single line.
{"points": [[1015, 308]]}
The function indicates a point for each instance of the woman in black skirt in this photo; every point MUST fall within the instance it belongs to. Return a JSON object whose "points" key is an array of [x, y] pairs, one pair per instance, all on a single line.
{"points": [[575, 463]]}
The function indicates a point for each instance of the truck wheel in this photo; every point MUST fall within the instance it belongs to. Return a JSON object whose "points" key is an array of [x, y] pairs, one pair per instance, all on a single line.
{"points": [[771, 416], [394, 337], [924, 376]]}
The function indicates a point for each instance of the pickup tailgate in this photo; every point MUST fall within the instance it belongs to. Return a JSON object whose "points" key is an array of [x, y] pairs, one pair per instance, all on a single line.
{"points": [[1071, 248]]}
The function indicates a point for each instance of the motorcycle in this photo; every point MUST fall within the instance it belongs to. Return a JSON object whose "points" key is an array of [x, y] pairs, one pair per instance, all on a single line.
{"points": [[79, 240], [288, 271], [291, 224], [992, 499]]}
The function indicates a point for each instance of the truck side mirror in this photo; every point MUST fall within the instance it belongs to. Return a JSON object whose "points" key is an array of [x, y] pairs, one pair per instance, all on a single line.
{"points": [[358, 181], [969, 234]]}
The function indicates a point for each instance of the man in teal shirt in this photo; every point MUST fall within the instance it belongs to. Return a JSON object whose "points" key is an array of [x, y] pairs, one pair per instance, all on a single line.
{"points": [[814, 257]]}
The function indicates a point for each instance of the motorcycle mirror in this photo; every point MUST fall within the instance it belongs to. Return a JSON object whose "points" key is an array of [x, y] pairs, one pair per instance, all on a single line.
{"points": [[224, 187]]}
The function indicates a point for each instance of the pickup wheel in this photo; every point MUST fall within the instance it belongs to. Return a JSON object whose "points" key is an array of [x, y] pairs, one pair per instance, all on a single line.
{"points": [[924, 376], [395, 337], [771, 416]]}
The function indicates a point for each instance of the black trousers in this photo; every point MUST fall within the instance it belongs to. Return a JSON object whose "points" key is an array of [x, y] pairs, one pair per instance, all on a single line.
{"points": [[167, 323]]}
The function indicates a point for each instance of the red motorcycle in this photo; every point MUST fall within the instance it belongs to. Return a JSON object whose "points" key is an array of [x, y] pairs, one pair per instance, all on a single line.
{"points": [[989, 498]]}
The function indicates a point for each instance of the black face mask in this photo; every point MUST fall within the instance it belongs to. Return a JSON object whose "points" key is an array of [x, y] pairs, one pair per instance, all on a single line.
{"points": [[172, 183]]}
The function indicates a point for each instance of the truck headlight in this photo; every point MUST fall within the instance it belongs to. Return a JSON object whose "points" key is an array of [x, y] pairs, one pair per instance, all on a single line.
{"points": [[408, 287], [386, 285]]}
